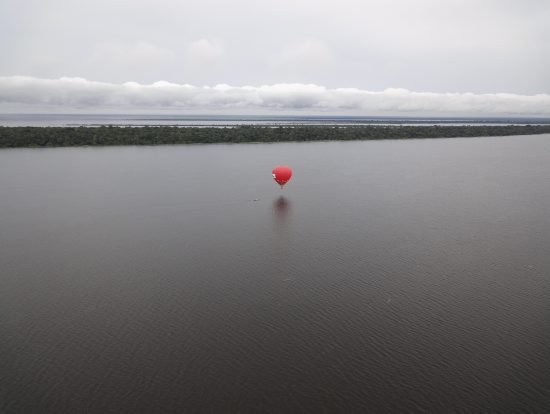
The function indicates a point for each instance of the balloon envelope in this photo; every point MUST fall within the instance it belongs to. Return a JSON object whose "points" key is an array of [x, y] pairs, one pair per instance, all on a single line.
{"points": [[282, 174]]}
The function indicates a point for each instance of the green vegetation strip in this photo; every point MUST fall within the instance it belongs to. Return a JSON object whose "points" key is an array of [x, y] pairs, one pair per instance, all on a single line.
{"points": [[110, 135]]}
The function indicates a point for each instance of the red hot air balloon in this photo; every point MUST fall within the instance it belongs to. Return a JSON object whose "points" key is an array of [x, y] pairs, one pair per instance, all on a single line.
{"points": [[282, 174]]}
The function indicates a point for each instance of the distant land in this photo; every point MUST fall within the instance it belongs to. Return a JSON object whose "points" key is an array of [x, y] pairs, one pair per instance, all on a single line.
{"points": [[220, 120], [11, 137]]}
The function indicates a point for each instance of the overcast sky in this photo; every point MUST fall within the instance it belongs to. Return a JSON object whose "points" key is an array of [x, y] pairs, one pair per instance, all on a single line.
{"points": [[386, 56]]}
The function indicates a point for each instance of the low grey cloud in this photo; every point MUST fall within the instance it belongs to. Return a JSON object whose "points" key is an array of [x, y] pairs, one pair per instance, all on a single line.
{"points": [[82, 94], [461, 46], [204, 52], [128, 55], [308, 53]]}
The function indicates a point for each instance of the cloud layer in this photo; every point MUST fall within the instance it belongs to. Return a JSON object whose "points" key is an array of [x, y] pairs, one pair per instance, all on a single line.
{"points": [[423, 45], [82, 94]]}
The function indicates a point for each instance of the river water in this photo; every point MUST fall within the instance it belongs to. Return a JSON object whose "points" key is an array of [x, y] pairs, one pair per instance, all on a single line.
{"points": [[387, 276], [93, 120]]}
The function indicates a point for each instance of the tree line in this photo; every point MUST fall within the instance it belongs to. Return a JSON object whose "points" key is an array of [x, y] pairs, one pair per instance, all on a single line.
{"points": [[11, 137]]}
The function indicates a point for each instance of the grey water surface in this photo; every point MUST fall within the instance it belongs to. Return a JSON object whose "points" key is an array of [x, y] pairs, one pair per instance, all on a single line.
{"points": [[387, 276], [179, 120]]}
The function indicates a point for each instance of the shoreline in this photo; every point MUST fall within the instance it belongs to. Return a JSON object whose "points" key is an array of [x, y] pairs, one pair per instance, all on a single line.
{"points": [[108, 135]]}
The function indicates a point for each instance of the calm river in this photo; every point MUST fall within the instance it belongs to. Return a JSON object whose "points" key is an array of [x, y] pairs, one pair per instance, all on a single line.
{"points": [[390, 276]]}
